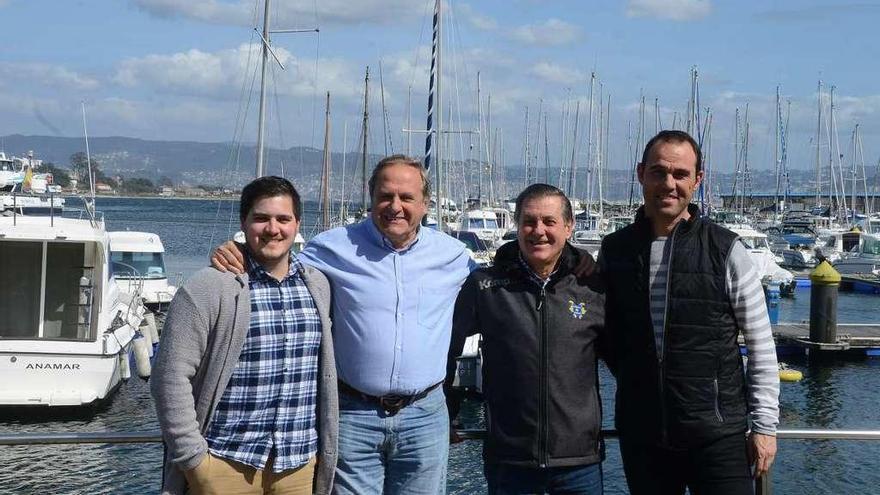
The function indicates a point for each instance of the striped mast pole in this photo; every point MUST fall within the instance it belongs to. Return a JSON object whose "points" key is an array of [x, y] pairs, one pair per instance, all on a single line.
{"points": [[432, 151]]}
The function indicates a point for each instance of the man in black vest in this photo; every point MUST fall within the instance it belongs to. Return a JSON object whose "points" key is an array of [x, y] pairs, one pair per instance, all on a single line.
{"points": [[679, 291]]}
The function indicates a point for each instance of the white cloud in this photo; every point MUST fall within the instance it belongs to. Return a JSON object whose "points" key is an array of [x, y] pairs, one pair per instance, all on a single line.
{"points": [[672, 10], [547, 33], [556, 73], [288, 14], [221, 73], [34, 73], [475, 19]]}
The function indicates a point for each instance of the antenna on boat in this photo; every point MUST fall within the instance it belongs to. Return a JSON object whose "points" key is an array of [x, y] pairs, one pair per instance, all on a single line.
{"points": [[90, 201]]}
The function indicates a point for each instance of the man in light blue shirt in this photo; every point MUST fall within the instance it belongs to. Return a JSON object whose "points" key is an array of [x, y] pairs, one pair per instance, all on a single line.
{"points": [[394, 287]]}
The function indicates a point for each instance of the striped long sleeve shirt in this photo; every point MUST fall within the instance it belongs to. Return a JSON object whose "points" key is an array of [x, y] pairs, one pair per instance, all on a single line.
{"points": [[747, 299]]}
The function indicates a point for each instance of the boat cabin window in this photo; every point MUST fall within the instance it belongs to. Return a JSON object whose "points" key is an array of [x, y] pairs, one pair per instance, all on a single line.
{"points": [[482, 223], [871, 245], [48, 290], [137, 264]]}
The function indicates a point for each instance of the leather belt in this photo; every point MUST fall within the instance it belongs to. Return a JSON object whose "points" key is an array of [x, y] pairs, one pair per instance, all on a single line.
{"points": [[392, 403]]}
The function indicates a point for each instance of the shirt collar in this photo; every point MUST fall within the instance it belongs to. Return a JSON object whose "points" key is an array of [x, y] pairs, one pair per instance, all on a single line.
{"points": [[533, 276], [380, 240], [256, 270]]}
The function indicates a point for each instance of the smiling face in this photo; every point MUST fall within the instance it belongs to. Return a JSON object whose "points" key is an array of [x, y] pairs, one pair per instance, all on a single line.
{"points": [[270, 229], [399, 203], [669, 178], [542, 232]]}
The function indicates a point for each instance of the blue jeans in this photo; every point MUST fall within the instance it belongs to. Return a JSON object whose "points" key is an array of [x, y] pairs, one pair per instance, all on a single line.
{"points": [[401, 454], [513, 480]]}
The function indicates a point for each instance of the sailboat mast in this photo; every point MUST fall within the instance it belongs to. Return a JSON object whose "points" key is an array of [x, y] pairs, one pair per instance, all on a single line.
{"points": [[262, 115], [325, 173], [589, 177], [364, 138], [818, 141], [433, 145], [776, 155], [479, 138]]}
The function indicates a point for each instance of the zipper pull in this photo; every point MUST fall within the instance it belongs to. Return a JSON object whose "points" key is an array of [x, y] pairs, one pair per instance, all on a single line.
{"points": [[541, 299]]}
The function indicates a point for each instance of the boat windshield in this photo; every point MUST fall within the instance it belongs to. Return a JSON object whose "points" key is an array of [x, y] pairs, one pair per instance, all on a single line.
{"points": [[871, 245], [482, 223], [128, 264], [755, 242]]}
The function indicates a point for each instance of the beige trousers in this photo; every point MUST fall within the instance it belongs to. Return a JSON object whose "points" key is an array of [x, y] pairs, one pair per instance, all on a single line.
{"points": [[216, 476]]}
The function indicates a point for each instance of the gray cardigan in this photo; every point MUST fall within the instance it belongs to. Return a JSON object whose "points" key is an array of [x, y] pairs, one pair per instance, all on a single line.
{"points": [[201, 342]]}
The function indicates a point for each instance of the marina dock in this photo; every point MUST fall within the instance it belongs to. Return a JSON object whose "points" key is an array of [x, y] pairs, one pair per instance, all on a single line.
{"points": [[793, 339]]}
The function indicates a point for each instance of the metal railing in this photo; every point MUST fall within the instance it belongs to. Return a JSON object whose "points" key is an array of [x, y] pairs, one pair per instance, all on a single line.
{"points": [[763, 485]]}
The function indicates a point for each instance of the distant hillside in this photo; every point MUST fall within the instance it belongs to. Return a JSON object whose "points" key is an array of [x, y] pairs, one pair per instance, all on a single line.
{"points": [[194, 163]]}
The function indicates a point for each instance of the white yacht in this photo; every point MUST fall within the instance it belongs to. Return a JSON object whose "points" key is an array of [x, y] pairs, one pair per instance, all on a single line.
{"points": [[139, 266], [24, 191], [66, 329], [484, 223], [866, 260], [764, 260]]}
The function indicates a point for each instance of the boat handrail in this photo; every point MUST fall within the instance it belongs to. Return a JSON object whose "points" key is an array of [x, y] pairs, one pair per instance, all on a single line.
{"points": [[763, 485], [155, 436]]}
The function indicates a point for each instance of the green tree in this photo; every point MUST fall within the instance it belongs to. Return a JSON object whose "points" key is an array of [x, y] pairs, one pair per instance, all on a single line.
{"points": [[138, 185], [165, 181], [60, 176], [79, 164]]}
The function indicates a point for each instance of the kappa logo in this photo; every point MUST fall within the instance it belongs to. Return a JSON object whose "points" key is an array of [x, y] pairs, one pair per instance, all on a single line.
{"points": [[577, 310], [488, 284]]}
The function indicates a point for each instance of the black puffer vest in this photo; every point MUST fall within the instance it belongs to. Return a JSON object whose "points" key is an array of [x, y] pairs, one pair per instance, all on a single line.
{"points": [[692, 391]]}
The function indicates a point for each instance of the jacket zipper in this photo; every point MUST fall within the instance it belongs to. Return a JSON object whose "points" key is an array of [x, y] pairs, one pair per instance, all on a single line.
{"points": [[542, 410], [717, 404]]}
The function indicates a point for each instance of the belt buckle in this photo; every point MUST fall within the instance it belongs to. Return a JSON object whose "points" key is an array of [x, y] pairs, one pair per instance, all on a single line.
{"points": [[392, 404]]}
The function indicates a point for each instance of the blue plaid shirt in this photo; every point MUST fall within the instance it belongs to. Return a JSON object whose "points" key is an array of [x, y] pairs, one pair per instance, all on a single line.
{"points": [[270, 403]]}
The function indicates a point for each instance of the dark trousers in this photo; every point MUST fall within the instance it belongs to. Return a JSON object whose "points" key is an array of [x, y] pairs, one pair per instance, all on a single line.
{"points": [[719, 468], [504, 479]]}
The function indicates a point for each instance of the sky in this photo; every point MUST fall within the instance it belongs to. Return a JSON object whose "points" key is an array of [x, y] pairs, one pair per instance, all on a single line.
{"points": [[187, 70]]}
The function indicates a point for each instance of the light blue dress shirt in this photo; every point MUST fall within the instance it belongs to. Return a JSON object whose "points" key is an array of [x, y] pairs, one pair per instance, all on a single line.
{"points": [[392, 310]]}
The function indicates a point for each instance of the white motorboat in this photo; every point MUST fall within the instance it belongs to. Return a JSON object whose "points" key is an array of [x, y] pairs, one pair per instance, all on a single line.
{"points": [[139, 266], [27, 192], [66, 328], [766, 263], [866, 260], [482, 222]]}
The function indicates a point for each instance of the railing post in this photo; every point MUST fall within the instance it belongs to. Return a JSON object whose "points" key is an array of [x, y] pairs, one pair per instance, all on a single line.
{"points": [[764, 485]]}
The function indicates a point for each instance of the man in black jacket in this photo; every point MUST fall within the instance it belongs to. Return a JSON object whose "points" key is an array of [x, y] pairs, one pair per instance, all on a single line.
{"points": [[680, 289], [540, 326]]}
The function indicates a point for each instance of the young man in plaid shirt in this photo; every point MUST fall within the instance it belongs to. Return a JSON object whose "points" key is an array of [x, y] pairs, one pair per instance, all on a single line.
{"points": [[245, 380]]}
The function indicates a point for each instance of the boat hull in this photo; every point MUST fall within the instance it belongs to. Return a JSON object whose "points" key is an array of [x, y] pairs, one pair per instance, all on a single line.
{"points": [[57, 380]]}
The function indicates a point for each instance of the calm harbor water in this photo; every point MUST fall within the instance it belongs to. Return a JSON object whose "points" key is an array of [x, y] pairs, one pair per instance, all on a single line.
{"points": [[839, 395]]}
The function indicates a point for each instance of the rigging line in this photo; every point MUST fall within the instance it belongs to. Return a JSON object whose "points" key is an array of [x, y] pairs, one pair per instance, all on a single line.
{"points": [[455, 61], [282, 147], [230, 170], [418, 54], [315, 85]]}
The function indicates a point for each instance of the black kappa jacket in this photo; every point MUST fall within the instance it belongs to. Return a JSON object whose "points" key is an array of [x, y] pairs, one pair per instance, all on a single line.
{"points": [[540, 349]]}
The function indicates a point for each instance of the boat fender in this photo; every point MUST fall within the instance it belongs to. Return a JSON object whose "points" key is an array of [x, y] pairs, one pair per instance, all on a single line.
{"points": [[124, 364], [147, 332], [142, 356], [150, 318], [787, 374]]}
